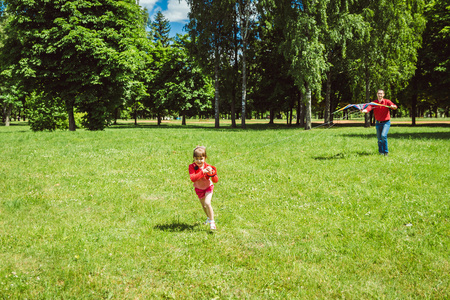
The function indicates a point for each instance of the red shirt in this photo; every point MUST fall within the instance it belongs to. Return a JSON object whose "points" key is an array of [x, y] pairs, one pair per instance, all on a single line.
{"points": [[381, 113], [201, 181]]}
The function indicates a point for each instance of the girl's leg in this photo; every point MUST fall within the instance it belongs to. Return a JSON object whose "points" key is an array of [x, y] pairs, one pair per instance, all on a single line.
{"points": [[206, 204], [202, 202]]}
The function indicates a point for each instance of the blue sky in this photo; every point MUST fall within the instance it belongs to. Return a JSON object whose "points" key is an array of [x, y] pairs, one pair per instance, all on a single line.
{"points": [[174, 10]]}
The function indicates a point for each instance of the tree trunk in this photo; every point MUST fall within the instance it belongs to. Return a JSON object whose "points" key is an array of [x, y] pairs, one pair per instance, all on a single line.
{"points": [[183, 122], [233, 109], [308, 108], [244, 83], [414, 108], [328, 99], [216, 94], [272, 116], [116, 113], [290, 117], [8, 110], [302, 111], [72, 125], [235, 80]]}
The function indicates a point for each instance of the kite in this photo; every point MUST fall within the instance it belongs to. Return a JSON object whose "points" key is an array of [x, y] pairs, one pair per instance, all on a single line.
{"points": [[360, 106]]}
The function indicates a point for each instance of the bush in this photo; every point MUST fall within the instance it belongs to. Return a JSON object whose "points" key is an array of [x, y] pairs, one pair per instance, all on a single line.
{"points": [[46, 114]]}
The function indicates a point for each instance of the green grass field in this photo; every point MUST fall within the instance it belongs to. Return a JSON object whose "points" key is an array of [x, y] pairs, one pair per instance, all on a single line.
{"points": [[300, 214]]}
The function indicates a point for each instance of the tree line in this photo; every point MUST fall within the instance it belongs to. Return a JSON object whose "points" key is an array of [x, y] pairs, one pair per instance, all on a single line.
{"points": [[66, 64]]}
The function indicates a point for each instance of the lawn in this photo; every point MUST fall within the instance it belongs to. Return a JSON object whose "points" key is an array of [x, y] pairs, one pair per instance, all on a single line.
{"points": [[300, 214]]}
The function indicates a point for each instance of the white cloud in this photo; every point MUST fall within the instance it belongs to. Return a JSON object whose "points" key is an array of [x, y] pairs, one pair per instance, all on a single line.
{"points": [[149, 4], [177, 11]]}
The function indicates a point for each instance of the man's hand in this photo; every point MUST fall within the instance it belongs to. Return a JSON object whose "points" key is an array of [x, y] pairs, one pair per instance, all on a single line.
{"points": [[394, 107], [364, 111]]}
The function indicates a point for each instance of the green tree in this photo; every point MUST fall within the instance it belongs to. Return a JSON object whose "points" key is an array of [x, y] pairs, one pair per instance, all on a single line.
{"points": [[386, 57], [432, 78], [189, 90], [210, 28], [160, 29], [246, 13], [302, 22], [83, 52], [272, 83], [341, 28], [11, 95]]}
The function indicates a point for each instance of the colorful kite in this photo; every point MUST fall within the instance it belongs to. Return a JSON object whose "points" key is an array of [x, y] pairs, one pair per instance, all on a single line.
{"points": [[360, 106]]}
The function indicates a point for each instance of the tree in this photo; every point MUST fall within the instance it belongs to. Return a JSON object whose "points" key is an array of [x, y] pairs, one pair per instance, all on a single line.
{"points": [[210, 28], [160, 29], [82, 52], [189, 90], [11, 95], [271, 79], [303, 22], [341, 28], [432, 78], [246, 13], [386, 57]]}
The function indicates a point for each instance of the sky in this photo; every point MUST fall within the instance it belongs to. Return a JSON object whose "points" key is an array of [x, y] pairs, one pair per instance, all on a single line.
{"points": [[176, 11]]}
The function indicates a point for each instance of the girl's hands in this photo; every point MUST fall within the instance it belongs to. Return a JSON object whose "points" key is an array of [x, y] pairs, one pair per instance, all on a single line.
{"points": [[208, 169]]}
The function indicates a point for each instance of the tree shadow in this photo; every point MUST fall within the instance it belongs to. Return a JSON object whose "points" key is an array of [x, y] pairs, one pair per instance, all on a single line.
{"points": [[260, 126], [417, 135], [210, 126], [176, 226], [342, 155]]}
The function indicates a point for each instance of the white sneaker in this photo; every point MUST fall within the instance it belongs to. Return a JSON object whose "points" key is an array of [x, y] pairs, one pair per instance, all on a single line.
{"points": [[212, 225]]}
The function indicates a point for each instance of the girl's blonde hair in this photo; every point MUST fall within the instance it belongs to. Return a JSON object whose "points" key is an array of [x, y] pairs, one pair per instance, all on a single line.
{"points": [[200, 151]]}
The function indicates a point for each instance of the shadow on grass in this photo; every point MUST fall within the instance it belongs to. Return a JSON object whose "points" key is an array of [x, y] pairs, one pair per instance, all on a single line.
{"points": [[14, 126], [342, 155], [416, 136], [210, 126], [257, 126], [176, 227]]}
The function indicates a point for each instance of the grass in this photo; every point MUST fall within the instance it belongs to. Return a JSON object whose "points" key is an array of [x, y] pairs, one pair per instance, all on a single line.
{"points": [[300, 214]]}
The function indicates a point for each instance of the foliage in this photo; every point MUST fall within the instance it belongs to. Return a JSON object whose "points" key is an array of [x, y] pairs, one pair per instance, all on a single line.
{"points": [[385, 57], [96, 56], [210, 28], [274, 89], [45, 113], [434, 59], [160, 29], [83, 52]]}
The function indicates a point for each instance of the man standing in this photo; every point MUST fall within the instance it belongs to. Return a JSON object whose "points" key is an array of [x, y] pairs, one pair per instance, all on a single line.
{"points": [[383, 117]]}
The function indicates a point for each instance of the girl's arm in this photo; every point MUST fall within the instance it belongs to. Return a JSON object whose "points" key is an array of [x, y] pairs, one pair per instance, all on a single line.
{"points": [[215, 178], [195, 175]]}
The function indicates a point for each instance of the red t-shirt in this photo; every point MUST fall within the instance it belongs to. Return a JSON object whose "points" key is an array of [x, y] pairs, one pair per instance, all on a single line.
{"points": [[381, 113], [200, 180]]}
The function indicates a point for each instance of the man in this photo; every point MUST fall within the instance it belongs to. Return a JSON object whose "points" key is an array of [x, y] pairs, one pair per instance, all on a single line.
{"points": [[383, 117]]}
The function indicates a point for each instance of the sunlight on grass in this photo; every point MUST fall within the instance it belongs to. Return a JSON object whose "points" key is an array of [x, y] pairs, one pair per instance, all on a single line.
{"points": [[300, 214]]}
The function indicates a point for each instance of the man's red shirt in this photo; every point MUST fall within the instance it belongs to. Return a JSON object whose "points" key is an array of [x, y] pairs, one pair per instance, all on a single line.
{"points": [[381, 113]]}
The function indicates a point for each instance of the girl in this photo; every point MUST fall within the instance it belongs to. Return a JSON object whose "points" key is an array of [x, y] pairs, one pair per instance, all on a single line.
{"points": [[203, 176]]}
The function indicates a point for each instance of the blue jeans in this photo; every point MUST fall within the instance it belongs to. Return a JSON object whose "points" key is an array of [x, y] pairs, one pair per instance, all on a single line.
{"points": [[382, 132]]}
